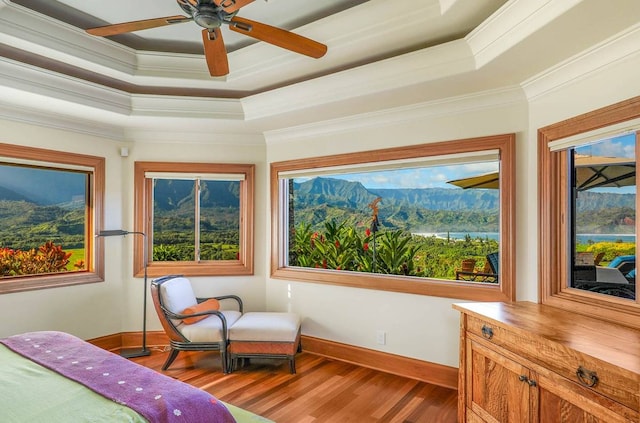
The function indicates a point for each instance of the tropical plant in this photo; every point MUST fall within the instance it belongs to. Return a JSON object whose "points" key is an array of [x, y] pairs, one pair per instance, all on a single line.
{"points": [[344, 248], [48, 258]]}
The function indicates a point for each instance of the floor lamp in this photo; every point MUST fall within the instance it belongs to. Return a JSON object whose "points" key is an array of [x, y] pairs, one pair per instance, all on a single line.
{"points": [[144, 351]]}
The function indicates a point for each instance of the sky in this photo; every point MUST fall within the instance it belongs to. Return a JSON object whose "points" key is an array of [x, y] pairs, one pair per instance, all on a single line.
{"points": [[424, 177], [622, 146], [437, 176]]}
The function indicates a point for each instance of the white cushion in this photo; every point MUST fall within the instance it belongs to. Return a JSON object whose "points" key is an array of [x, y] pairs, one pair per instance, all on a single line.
{"points": [[177, 295], [209, 329], [266, 326]]}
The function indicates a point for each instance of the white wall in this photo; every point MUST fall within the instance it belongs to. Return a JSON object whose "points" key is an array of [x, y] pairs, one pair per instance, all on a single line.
{"points": [[417, 326], [114, 306], [85, 310], [249, 288]]}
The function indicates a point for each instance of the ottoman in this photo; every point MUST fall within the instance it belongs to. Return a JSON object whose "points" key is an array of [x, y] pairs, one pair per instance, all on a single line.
{"points": [[267, 335]]}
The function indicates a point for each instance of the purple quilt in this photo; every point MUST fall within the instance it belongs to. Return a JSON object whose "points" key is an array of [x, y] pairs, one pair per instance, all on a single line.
{"points": [[155, 396]]}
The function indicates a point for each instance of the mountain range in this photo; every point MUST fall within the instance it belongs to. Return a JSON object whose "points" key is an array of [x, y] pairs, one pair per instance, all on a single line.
{"points": [[321, 199]]}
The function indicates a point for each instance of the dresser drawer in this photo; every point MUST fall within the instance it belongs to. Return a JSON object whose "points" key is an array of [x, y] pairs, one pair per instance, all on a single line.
{"points": [[606, 379]]}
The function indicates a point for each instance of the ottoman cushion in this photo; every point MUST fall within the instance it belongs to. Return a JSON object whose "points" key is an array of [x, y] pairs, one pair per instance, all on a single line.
{"points": [[266, 326]]}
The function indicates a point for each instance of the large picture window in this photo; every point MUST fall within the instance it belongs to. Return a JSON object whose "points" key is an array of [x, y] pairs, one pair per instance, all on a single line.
{"points": [[588, 203], [49, 202], [199, 217], [430, 219]]}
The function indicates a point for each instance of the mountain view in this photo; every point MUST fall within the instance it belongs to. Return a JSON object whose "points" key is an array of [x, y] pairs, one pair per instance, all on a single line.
{"points": [[53, 208], [429, 210]]}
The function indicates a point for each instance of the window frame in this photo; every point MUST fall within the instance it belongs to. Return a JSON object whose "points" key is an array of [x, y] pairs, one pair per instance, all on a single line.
{"points": [[143, 207], [505, 291], [553, 263], [94, 249]]}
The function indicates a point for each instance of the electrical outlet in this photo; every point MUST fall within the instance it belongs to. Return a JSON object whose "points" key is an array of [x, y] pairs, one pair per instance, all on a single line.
{"points": [[381, 337]]}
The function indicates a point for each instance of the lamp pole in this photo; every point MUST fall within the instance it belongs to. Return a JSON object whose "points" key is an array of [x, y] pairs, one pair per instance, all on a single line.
{"points": [[144, 351]]}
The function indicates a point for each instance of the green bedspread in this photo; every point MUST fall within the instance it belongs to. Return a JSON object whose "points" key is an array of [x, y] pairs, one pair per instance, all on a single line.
{"points": [[32, 393]]}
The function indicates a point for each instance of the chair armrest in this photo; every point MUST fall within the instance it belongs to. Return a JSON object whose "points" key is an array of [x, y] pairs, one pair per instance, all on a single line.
{"points": [[179, 316], [237, 299]]}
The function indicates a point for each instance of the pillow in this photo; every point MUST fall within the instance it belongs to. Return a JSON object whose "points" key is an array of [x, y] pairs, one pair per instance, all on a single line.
{"points": [[208, 305]]}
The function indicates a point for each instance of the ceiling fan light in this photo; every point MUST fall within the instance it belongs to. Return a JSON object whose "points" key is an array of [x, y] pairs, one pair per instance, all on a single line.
{"points": [[207, 17]]}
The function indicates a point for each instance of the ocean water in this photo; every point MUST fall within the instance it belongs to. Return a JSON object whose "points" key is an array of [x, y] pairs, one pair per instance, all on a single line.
{"points": [[460, 235], [586, 238], [581, 238]]}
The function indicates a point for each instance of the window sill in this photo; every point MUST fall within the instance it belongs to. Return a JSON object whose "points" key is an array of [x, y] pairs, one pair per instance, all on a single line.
{"points": [[222, 268], [420, 286], [31, 283]]}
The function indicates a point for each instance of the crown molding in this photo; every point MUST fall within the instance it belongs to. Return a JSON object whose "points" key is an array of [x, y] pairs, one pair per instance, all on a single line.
{"points": [[503, 97], [412, 68], [188, 107], [186, 134], [27, 30], [621, 47], [43, 83], [50, 119], [511, 24]]}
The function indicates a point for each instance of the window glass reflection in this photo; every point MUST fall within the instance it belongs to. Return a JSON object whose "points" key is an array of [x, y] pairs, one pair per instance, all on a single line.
{"points": [[603, 205]]}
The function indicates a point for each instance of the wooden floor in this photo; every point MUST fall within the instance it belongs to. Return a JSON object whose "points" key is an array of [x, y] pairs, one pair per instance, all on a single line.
{"points": [[323, 390]]}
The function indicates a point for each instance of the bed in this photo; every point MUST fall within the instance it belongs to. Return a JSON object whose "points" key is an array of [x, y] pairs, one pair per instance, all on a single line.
{"points": [[56, 377]]}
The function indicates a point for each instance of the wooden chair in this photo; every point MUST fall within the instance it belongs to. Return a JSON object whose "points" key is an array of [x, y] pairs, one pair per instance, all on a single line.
{"points": [[598, 258], [171, 296], [488, 274], [468, 265]]}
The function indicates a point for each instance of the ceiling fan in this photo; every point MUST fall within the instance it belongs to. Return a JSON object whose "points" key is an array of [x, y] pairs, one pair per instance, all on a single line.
{"points": [[211, 15]]}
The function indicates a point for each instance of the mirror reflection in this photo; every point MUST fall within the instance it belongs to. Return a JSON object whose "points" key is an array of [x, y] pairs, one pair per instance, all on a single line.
{"points": [[603, 210]]}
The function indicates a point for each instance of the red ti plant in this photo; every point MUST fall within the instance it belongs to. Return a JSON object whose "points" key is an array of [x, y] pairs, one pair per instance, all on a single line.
{"points": [[48, 258]]}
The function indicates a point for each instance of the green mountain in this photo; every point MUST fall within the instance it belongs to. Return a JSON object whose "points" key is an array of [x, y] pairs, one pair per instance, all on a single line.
{"points": [[600, 201], [440, 209], [41, 186], [177, 194], [25, 220], [11, 195], [416, 210]]}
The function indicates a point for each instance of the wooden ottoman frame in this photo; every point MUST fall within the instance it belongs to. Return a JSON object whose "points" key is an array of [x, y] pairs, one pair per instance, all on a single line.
{"points": [[243, 345]]}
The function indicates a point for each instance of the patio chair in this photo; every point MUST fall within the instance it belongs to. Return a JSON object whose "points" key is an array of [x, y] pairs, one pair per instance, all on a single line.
{"points": [[624, 264], [488, 274], [598, 258], [188, 328]]}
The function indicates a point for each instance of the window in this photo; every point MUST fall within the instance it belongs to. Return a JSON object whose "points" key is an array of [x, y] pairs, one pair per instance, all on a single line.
{"points": [[50, 201], [401, 223], [588, 202], [198, 217]]}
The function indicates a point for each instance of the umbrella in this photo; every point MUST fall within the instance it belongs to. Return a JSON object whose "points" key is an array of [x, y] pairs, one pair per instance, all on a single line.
{"points": [[488, 180], [598, 172], [591, 172]]}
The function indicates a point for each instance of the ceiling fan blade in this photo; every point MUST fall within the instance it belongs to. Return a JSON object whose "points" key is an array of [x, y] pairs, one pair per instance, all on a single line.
{"points": [[215, 52], [231, 6], [278, 37], [121, 28]]}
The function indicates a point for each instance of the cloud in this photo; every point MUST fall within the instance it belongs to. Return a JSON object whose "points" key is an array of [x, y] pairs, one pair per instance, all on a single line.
{"points": [[423, 177]]}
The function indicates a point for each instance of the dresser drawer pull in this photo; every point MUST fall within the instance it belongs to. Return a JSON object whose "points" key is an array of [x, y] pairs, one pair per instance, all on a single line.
{"points": [[531, 382], [487, 332], [587, 377]]}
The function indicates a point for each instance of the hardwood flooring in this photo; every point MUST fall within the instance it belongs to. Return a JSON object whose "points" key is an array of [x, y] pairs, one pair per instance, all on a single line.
{"points": [[323, 390]]}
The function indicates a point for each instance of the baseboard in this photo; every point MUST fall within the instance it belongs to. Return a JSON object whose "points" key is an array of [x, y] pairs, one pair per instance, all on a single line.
{"points": [[425, 371], [130, 340]]}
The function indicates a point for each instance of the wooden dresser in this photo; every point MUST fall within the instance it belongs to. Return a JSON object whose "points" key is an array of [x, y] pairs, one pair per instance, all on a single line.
{"points": [[525, 362]]}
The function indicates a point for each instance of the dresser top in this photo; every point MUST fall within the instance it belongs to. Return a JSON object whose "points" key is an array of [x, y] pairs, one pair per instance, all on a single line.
{"points": [[616, 344]]}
